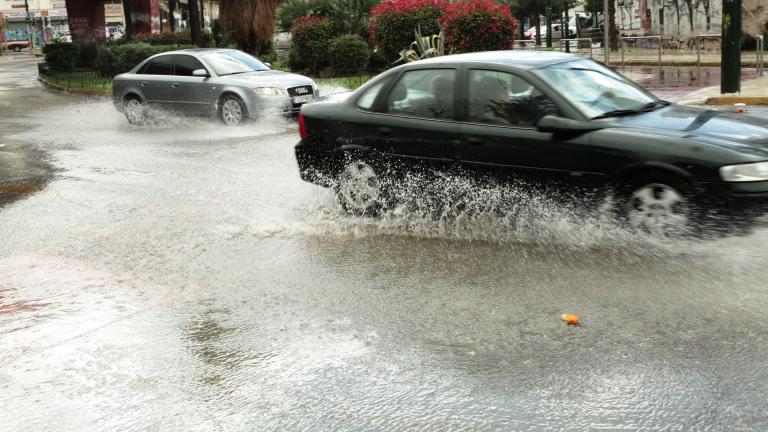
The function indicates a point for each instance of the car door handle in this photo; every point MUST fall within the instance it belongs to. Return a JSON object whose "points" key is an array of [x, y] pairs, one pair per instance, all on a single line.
{"points": [[143, 83], [174, 85], [475, 141], [385, 131]]}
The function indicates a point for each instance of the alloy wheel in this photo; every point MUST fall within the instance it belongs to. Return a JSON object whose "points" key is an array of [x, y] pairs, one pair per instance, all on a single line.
{"points": [[359, 187], [232, 112], [134, 110], [659, 209]]}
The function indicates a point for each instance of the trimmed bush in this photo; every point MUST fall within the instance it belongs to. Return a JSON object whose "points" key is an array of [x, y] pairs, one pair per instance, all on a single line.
{"points": [[393, 23], [88, 52], [311, 36], [114, 60], [61, 55], [478, 25], [106, 62], [178, 38], [349, 52]]}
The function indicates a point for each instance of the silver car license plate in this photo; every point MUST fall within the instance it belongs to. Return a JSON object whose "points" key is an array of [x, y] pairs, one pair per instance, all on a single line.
{"points": [[303, 99]]}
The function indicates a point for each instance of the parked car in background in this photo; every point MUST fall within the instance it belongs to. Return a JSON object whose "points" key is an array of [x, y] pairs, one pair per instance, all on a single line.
{"points": [[16, 45], [226, 83], [543, 118]]}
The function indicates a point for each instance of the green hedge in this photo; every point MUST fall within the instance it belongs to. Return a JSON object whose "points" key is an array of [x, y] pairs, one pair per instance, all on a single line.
{"points": [[393, 23], [62, 55], [311, 36], [117, 59], [349, 52]]}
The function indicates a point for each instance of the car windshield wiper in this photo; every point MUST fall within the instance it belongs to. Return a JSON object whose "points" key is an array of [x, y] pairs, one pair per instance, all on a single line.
{"points": [[235, 73], [650, 106]]}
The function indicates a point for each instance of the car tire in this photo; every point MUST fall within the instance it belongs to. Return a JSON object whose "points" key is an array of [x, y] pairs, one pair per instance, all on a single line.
{"points": [[17, 49], [659, 204], [232, 111], [134, 110], [359, 188]]}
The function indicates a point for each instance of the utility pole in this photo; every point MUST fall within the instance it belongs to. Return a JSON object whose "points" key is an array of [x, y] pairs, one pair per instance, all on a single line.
{"points": [[606, 33], [730, 61], [548, 19], [194, 24]]}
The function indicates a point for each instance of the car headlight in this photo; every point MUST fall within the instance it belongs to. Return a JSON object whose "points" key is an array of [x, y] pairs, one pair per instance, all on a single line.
{"points": [[745, 172], [268, 91]]}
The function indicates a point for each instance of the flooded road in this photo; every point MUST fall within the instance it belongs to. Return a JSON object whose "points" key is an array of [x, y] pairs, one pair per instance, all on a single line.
{"points": [[181, 277]]}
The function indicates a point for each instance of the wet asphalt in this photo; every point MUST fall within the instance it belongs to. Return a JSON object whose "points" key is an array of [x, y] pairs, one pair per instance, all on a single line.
{"points": [[181, 277]]}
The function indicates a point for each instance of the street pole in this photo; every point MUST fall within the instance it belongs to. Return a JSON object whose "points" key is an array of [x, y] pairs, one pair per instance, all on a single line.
{"points": [[548, 18], [566, 33], [730, 61], [606, 33]]}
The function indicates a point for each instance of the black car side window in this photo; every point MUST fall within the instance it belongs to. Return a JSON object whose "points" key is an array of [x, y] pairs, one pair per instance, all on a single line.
{"points": [[426, 93], [370, 95], [185, 65], [505, 99], [157, 66]]}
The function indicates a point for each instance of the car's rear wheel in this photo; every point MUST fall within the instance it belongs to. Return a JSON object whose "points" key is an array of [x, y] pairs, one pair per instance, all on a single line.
{"points": [[359, 189], [232, 111], [16, 48], [660, 204], [134, 110]]}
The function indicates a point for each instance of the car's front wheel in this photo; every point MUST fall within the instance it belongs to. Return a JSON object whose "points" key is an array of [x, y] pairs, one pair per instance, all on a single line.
{"points": [[660, 205], [359, 189], [17, 49], [232, 111], [134, 111]]}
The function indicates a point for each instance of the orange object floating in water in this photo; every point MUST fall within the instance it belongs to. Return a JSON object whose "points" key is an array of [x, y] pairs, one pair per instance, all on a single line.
{"points": [[570, 319]]}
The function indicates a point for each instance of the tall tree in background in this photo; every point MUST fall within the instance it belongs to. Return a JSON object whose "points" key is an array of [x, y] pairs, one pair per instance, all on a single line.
{"points": [[250, 22], [194, 23]]}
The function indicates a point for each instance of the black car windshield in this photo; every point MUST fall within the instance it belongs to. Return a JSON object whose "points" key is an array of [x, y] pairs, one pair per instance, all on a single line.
{"points": [[595, 89], [233, 62]]}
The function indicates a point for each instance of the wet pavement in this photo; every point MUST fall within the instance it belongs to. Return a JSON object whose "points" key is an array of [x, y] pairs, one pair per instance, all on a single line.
{"points": [[181, 277]]}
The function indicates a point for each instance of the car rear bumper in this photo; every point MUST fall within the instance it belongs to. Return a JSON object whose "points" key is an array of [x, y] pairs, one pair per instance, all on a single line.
{"points": [[315, 166]]}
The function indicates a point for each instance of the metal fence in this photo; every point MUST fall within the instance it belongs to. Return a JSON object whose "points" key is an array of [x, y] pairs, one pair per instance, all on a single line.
{"points": [[75, 79], [349, 78], [581, 46]]}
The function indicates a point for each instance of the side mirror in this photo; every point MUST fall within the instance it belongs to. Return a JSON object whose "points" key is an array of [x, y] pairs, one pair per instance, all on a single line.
{"points": [[555, 124], [269, 65], [200, 73]]}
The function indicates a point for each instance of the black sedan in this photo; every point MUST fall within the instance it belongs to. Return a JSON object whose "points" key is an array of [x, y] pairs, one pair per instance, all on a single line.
{"points": [[548, 117]]}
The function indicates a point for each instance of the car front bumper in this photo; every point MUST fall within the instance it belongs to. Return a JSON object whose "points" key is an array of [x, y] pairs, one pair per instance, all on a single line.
{"points": [[740, 198]]}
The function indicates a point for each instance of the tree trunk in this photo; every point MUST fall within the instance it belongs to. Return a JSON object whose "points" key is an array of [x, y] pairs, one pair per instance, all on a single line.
{"points": [[171, 18], [538, 30], [194, 24]]}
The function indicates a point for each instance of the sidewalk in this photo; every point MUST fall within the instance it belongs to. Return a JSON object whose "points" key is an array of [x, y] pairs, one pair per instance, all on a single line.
{"points": [[753, 92]]}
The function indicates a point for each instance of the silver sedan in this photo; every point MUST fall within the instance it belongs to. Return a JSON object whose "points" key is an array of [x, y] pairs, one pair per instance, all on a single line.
{"points": [[225, 83]]}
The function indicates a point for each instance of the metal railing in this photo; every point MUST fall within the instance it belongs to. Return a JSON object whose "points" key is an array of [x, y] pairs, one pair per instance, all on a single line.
{"points": [[656, 38], [698, 39], [760, 54], [75, 79]]}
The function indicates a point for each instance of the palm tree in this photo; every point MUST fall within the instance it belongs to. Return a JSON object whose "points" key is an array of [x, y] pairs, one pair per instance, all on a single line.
{"points": [[250, 22]]}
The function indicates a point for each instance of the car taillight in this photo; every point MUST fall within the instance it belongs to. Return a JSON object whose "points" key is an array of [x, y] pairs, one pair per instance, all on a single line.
{"points": [[302, 128]]}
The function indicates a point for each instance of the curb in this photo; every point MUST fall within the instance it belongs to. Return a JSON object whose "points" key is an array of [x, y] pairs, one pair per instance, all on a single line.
{"points": [[63, 89], [730, 100]]}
